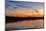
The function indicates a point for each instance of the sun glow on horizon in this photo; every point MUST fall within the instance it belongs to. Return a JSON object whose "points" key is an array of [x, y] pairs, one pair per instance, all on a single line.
{"points": [[24, 12]]}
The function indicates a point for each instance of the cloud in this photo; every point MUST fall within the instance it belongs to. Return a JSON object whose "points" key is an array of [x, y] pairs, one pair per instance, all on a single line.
{"points": [[23, 12]]}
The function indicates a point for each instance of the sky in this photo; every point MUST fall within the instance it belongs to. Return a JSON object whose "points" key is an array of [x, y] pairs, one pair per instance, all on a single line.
{"points": [[15, 4], [12, 5]]}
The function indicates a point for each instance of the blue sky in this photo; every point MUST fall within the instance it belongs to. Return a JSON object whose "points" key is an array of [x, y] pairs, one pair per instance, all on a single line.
{"points": [[24, 4]]}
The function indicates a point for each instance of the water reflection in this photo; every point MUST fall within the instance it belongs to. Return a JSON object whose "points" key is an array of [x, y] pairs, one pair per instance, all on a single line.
{"points": [[26, 24]]}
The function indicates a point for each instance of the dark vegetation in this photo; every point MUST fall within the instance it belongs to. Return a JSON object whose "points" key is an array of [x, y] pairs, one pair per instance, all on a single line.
{"points": [[16, 19]]}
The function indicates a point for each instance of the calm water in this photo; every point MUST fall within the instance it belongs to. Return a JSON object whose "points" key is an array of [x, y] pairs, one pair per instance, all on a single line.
{"points": [[26, 24]]}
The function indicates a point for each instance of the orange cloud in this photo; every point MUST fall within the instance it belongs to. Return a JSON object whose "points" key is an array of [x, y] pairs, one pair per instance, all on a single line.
{"points": [[24, 12]]}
